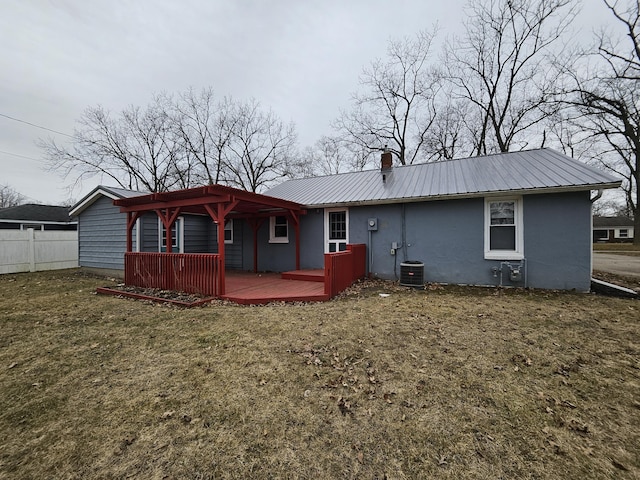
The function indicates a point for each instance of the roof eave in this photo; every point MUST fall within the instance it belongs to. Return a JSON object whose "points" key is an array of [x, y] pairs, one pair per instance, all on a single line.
{"points": [[460, 196]]}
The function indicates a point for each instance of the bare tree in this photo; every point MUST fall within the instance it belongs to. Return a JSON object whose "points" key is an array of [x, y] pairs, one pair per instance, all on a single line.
{"points": [[396, 107], [260, 149], [331, 155], [204, 127], [136, 150], [606, 101], [501, 69], [10, 197]]}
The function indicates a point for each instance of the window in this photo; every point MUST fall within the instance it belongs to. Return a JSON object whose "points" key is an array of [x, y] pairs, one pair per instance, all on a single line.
{"points": [[503, 229], [623, 233], [176, 236], [336, 230], [228, 231], [278, 229]]}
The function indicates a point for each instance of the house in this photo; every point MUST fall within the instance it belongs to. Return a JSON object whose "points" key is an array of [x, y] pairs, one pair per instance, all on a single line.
{"points": [[612, 229], [38, 217], [512, 219]]}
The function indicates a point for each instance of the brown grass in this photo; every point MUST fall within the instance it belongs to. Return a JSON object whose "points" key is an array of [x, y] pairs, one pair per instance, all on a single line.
{"points": [[628, 248], [444, 383]]}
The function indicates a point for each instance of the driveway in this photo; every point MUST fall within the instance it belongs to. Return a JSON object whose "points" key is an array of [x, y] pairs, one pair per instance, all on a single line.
{"points": [[617, 264]]}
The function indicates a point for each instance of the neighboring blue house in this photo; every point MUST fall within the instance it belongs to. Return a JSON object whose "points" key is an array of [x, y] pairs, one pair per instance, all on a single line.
{"points": [[518, 219]]}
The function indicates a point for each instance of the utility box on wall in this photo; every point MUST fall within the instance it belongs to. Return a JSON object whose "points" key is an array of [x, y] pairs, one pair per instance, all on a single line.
{"points": [[372, 224]]}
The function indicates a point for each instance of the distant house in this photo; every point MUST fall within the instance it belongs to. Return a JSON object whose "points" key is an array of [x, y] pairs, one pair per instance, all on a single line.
{"points": [[512, 219], [38, 217], [612, 229], [37, 237]]}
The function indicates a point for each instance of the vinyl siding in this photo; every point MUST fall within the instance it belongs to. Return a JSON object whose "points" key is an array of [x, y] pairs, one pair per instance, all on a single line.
{"points": [[102, 237]]}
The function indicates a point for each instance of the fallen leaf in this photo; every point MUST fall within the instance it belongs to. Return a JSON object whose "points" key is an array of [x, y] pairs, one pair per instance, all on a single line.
{"points": [[360, 457], [168, 414], [14, 364]]}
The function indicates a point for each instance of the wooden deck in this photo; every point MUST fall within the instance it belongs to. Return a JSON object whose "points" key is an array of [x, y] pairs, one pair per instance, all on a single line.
{"points": [[251, 288]]}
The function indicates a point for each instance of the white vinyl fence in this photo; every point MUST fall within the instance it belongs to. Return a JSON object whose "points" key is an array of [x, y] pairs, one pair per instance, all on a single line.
{"points": [[34, 250]]}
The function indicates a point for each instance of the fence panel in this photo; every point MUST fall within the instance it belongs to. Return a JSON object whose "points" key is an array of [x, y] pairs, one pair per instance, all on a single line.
{"points": [[34, 251], [184, 272]]}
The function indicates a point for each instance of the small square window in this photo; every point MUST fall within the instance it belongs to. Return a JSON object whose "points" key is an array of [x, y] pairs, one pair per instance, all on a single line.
{"points": [[624, 233], [278, 229]]}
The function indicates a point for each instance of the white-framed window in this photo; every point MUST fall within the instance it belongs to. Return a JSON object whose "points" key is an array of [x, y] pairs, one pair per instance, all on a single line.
{"points": [[623, 233], [26, 226], [177, 236], [278, 229], [336, 229], [228, 231], [503, 236]]}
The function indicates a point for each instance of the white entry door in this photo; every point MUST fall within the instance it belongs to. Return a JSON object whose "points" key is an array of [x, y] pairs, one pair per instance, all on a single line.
{"points": [[336, 230]]}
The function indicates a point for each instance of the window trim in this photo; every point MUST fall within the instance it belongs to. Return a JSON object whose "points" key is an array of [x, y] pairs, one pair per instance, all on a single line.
{"points": [[179, 224], [272, 230], [327, 212], [228, 223], [518, 253], [626, 233]]}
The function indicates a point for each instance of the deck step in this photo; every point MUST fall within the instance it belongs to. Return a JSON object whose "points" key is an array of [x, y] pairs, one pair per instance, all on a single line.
{"points": [[305, 275]]}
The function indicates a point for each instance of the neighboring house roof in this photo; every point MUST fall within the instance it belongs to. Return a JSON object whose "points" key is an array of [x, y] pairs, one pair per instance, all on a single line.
{"points": [[102, 191], [599, 222], [533, 171], [32, 212]]}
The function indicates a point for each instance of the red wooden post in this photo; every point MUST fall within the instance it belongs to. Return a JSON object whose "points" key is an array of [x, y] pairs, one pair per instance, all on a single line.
{"points": [[221, 218], [296, 227]]}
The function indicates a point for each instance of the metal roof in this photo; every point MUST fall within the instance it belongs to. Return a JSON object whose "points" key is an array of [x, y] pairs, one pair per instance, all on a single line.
{"points": [[532, 171]]}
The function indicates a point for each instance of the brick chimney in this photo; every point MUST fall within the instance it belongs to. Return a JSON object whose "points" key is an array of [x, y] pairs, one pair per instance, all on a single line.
{"points": [[386, 160]]}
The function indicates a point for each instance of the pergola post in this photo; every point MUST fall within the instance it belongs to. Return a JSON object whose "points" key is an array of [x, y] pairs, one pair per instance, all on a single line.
{"points": [[168, 219], [132, 218], [255, 224], [296, 228], [221, 221]]}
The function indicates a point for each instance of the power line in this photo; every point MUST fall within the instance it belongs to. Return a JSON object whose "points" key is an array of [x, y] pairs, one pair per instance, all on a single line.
{"points": [[34, 125], [21, 156]]}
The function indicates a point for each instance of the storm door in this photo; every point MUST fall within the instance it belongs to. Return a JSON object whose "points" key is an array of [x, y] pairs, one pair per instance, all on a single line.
{"points": [[336, 230]]}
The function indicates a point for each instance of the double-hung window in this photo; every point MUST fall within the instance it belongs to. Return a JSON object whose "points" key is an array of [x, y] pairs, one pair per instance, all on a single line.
{"points": [[503, 229], [278, 229]]}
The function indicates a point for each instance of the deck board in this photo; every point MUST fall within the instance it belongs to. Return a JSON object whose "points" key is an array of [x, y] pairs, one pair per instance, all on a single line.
{"points": [[251, 288]]}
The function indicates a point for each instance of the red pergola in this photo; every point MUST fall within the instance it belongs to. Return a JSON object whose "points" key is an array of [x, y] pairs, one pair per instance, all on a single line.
{"points": [[220, 203]]}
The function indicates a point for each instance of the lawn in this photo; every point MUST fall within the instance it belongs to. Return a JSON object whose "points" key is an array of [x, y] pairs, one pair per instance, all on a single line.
{"points": [[443, 383]]}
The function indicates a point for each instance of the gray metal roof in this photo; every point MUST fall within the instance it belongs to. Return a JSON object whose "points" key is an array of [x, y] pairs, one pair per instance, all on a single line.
{"points": [[533, 171]]}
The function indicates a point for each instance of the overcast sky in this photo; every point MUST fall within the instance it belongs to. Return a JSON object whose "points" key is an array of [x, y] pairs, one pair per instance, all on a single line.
{"points": [[301, 58]]}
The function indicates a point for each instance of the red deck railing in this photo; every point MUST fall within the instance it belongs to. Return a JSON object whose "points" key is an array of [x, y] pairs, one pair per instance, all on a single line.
{"points": [[341, 269], [190, 273]]}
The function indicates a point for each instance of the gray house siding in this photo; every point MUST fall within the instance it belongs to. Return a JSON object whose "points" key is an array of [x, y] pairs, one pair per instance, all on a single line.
{"points": [[233, 252], [148, 232], [557, 240], [102, 236], [281, 257], [196, 233], [448, 237]]}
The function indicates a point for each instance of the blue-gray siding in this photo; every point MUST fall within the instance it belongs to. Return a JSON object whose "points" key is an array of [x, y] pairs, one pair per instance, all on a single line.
{"points": [[448, 237], [102, 236]]}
